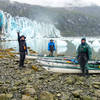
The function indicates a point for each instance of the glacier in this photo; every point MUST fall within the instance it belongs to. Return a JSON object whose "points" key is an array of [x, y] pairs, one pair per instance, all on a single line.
{"points": [[30, 28]]}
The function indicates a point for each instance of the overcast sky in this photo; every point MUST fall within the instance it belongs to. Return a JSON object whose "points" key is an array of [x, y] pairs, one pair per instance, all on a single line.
{"points": [[60, 3]]}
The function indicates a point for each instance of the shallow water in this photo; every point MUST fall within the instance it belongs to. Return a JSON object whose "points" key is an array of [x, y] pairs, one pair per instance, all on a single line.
{"points": [[64, 46]]}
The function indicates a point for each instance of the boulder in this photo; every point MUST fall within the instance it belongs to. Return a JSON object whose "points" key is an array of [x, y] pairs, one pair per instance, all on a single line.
{"points": [[70, 80], [86, 98], [96, 86], [25, 97], [96, 83], [30, 91], [5, 96], [46, 96], [97, 93], [76, 93]]}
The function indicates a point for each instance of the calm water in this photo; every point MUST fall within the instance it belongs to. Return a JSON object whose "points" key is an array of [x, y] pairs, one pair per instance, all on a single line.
{"points": [[64, 46]]}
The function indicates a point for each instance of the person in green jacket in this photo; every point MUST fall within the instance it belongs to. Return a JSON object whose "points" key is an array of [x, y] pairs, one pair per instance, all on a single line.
{"points": [[84, 54]]}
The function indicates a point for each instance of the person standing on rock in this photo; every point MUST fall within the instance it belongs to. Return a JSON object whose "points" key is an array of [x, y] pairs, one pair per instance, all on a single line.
{"points": [[83, 55], [51, 47], [22, 49]]}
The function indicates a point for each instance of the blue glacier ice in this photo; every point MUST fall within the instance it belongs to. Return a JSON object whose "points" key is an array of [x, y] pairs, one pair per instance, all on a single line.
{"points": [[30, 28]]}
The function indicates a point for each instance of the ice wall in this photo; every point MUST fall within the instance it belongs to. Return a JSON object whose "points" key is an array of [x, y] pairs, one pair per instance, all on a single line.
{"points": [[29, 28]]}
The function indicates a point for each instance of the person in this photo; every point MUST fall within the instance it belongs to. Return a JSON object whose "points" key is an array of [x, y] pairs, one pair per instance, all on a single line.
{"points": [[22, 49], [51, 47], [83, 55]]}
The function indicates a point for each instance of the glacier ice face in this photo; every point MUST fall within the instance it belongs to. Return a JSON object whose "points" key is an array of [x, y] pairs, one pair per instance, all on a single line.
{"points": [[30, 28]]}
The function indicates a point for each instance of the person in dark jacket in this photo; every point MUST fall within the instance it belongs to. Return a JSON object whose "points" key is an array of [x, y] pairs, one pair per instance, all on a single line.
{"points": [[51, 47], [22, 49], [83, 55]]}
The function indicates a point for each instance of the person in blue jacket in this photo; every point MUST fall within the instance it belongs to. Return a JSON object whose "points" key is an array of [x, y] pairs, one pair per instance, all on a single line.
{"points": [[51, 47]]}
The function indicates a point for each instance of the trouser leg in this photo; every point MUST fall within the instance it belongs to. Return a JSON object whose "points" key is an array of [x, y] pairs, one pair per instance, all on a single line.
{"points": [[86, 69], [83, 64], [20, 62], [22, 58], [82, 69], [51, 53]]}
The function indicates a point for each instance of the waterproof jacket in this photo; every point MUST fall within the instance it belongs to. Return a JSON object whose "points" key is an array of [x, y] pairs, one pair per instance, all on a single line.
{"points": [[22, 44], [84, 49], [51, 45]]}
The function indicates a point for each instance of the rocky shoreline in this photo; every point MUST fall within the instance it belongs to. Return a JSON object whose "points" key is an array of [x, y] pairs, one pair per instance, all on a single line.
{"points": [[35, 83]]}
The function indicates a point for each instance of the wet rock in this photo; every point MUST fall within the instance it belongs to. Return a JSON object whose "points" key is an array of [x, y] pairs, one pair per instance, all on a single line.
{"points": [[9, 49], [70, 80], [25, 97], [97, 93], [35, 68], [5, 96], [29, 86], [65, 96], [86, 98], [96, 83], [76, 93], [14, 88], [27, 72], [96, 86], [79, 78], [1, 82], [30, 91], [59, 94], [32, 52], [13, 99], [79, 83], [4, 88], [46, 96], [7, 82], [25, 80], [94, 98], [94, 75], [76, 98], [18, 83]]}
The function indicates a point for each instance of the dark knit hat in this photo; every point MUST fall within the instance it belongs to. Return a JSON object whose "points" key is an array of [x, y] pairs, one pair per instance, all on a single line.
{"points": [[23, 36], [83, 39]]}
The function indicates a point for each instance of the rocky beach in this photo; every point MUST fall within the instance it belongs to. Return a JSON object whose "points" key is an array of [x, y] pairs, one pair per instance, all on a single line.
{"points": [[35, 83]]}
